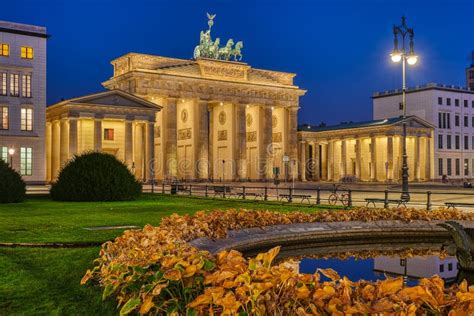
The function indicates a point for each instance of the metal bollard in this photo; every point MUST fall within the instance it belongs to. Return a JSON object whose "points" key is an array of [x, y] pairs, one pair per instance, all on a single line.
{"points": [[243, 192], [205, 191], [318, 196], [290, 198], [428, 201], [223, 193], [265, 196], [385, 202], [163, 188], [349, 203], [190, 189]]}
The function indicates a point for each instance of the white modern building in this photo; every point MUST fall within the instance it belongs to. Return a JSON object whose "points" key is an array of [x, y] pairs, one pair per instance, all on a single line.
{"points": [[23, 98], [418, 267], [451, 110]]}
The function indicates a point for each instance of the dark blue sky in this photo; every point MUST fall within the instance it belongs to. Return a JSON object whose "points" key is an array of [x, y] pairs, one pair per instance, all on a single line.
{"points": [[339, 49]]}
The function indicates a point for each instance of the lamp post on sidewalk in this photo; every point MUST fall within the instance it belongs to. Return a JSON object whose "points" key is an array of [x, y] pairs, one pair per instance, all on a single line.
{"points": [[411, 58]]}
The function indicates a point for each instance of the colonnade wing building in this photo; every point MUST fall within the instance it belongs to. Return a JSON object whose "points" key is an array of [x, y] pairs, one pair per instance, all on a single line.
{"points": [[366, 151], [182, 119]]}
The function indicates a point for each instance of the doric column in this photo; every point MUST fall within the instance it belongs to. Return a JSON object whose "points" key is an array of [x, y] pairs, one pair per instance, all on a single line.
{"points": [[150, 151], [49, 150], [72, 137], [358, 149], [202, 164], [292, 136], [316, 162], [129, 143], [302, 161], [170, 138], [210, 109], [64, 143], [428, 159], [343, 158], [55, 149], [417, 158], [266, 159], [373, 159], [98, 134], [329, 160], [390, 158], [241, 143]]}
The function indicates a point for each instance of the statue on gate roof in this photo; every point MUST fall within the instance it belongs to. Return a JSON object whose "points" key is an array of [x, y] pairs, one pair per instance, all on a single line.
{"points": [[208, 48]]}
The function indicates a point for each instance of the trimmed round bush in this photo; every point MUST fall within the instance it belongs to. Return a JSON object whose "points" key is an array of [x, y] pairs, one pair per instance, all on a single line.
{"points": [[12, 186], [95, 176]]}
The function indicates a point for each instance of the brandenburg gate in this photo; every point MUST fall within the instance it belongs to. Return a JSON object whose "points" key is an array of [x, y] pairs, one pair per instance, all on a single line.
{"points": [[220, 119]]}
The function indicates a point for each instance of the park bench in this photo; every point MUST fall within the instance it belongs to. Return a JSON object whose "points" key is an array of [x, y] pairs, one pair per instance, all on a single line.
{"points": [[293, 196], [455, 204], [376, 200], [254, 194], [222, 190]]}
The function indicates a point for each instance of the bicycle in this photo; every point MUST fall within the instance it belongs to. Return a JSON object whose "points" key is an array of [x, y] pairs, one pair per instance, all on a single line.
{"points": [[334, 197]]}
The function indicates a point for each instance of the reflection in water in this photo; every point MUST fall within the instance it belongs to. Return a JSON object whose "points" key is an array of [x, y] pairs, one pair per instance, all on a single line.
{"points": [[380, 267]]}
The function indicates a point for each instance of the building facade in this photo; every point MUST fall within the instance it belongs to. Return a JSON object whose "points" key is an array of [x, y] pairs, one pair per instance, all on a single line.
{"points": [[470, 75], [368, 151], [114, 122], [221, 120], [23, 98], [451, 110]]}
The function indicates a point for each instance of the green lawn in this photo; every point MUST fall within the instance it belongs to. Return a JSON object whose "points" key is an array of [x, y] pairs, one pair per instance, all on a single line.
{"points": [[46, 281]]}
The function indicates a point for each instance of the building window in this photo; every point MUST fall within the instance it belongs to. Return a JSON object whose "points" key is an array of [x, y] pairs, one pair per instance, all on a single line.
{"points": [[4, 153], [466, 167], [26, 161], [456, 102], [441, 268], [457, 144], [465, 103], [448, 166], [26, 86], [4, 117], [472, 103], [448, 120], [14, 85], [440, 120], [456, 120], [26, 123], [466, 142], [458, 166], [472, 121], [4, 50], [3, 86], [27, 52], [108, 134], [448, 141], [448, 101], [466, 121], [440, 141], [450, 266], [440, 101], [440, 166]]}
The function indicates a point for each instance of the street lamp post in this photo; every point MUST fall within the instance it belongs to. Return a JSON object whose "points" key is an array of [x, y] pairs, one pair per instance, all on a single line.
{"points": [[11, 152], [411, 58], [286, 159]]}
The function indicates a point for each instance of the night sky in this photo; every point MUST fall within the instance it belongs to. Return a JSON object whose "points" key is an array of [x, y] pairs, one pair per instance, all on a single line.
{"points": [[339, 49]]}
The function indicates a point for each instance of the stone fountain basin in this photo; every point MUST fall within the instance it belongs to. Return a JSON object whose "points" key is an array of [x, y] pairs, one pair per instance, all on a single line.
{"points": [[330, 237]]}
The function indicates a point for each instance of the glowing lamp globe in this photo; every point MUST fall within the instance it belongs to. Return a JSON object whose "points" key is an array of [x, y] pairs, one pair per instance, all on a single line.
{"points": [[412, 59], [396, 56]]}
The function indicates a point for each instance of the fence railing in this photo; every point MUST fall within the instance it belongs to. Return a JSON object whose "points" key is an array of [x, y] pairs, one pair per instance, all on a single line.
{"points": [[344, 197]]}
